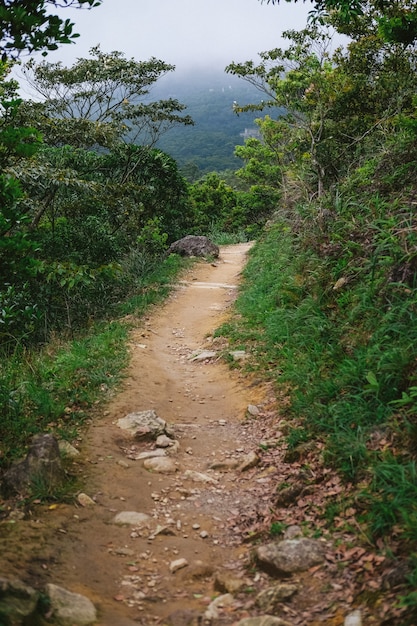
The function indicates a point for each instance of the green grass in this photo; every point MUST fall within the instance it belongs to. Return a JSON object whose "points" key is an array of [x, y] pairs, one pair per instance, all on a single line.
{"points": [[345, 352], [53, 389]]}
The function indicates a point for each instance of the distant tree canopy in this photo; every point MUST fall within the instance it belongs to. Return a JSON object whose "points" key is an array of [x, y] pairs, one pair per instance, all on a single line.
{"points": [[28, 25]]}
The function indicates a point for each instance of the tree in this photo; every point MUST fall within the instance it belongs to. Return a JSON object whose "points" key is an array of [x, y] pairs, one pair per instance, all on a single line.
{"points": [[26, 25], [396, 20], [300, 79], [101, 99]]}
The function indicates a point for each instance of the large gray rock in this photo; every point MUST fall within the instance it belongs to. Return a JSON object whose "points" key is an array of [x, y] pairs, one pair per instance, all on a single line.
{"points": [[144, 425], [17, 602], [194, 245], [285, 557], [41, 466], [70, 609]]}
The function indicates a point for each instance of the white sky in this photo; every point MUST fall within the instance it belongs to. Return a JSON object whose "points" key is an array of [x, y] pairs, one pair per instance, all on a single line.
{"points": [[185, 33]]}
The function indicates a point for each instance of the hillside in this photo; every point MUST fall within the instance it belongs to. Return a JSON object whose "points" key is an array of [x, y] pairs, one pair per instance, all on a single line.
{"points": [[209, 97]]}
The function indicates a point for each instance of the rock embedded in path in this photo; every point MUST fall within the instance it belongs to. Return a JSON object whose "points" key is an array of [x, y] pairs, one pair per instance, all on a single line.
{"points": [[199, 477], [265, 620], [85, 500], [144, 425], [131, 518], [225, 582], [225, 465], [214, 608], [70, 609], [178, 564], [353, 619], [194, 245], [161, 465], [42, 464], [17, 601], [67, 450], [249, 460], [204, 355], [268, 599], [164, 442], [283, 558], [149, 454]]}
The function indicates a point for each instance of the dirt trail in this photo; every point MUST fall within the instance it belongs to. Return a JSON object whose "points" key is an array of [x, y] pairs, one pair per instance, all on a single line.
{"points": [[122, 570]]}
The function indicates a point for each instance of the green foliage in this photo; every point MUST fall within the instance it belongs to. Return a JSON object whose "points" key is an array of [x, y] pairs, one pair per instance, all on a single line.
{"points": [[105, 94], [26, 25], [52, 389]]}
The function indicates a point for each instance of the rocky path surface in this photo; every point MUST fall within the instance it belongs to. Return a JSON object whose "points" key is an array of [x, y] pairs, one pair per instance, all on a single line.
{"points": [[149, 571], [173, 527]]}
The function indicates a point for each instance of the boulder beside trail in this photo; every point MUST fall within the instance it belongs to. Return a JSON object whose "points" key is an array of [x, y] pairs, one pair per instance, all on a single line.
{"points": [[42, 465], [283, 558], [70, 609], [194, 245], [17, 602]]}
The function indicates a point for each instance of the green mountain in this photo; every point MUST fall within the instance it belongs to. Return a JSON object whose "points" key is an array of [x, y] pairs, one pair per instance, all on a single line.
{"points": [[209, 145]]}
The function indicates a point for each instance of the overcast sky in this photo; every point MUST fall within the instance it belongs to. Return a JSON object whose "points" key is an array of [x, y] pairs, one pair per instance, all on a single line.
{"points": [[185, 33]]}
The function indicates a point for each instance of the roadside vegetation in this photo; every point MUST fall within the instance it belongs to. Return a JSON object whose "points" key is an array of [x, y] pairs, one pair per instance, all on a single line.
{"points": [[328, 306], [328, 303]]}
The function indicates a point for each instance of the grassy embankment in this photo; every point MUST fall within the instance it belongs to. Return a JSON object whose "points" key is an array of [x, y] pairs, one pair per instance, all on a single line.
{"points": [[53, 388], [328, 309]]}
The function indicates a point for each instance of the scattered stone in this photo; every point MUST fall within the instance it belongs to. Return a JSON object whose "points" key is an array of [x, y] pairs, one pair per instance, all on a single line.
{"points": [[265, 620], [224, 466], [123, 551], [290, 555], [183, 618], [239, 355], [204, 534], [161, 465], [85, 500], [269, 599], [296, 454], [194, 245], [163, 530], [199, 477], [353, 619], [145, 425], [70, 609], [131, 518], [173, 448], [163, 442], [199, 570], [150, 454], [225, 582], [250, 460], [221, 602], [123, 463], [17, 601], [174, 566], [290, 494], [253, 410], [203, 356], [42, 464], [67, 450], [293, 531]]}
